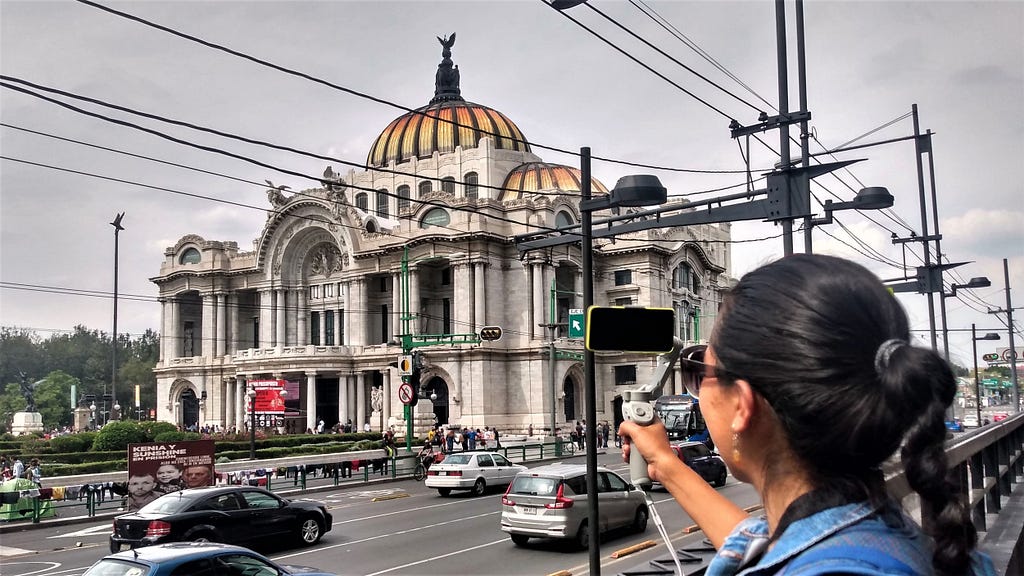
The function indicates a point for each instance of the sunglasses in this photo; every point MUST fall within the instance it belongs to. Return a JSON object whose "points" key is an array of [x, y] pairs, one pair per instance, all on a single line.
{"points": [[694, 369]]}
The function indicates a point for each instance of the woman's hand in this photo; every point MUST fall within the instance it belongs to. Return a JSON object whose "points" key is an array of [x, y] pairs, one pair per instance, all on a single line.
{"points": [[651, 441]]}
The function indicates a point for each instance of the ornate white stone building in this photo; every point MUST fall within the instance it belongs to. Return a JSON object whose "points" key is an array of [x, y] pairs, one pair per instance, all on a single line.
{"points": [[319, 300]]}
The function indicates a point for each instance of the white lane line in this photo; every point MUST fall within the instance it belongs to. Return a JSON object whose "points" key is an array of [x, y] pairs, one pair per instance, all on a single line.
{"points": [[336, 522], [388, 535], [431, 559], [50, 566], [90, 531]]}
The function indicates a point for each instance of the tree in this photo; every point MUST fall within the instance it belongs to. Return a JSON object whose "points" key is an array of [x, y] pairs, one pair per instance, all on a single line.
{"points": [[135, 371], [53, 399], [20, 353]]}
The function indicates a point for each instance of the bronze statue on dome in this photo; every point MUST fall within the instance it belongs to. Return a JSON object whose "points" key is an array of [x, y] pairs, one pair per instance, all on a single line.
{"points": [[446, 81]]}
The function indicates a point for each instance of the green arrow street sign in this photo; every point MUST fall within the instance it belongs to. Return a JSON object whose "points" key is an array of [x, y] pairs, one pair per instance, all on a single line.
{"points": [[576, 323]]}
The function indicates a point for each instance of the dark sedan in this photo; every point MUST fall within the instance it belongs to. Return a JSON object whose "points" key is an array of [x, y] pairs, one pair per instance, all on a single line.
{"points": [[229, 514], [703, 461]]}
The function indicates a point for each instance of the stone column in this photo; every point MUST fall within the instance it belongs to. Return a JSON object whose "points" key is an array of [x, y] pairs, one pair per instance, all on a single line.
{"points": [[414, 301], [311, 400], [343, 398], [396, 304], [386, 390], [222, 323], [228, 399], [350, 391], [281, 324], [240, 400], [480, 296], [208, 337], [174, 334], [360, 399], [540, 294], [359, 311], [165, 318], [461, 309], [323, 326], [350, 309], [231, 336], [266, 299], [301, 317]]}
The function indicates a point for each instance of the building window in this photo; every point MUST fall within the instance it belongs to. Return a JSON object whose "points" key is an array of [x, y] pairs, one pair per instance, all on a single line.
{"points": [[341, 326], [446, 276], [448, 185], [696, 284], [314, 292], [314, 328], [383, 284], [382, 203], [188, 337], [625, 301], [625, 375], [684, 319], [681, 276], [190, 256], [424, 188], [362, 201], [436, 217], [328, 328], [472, 183], [384, 323], [623, 277], [403, 198], [446, 316], [563, 219], [255, 331]]}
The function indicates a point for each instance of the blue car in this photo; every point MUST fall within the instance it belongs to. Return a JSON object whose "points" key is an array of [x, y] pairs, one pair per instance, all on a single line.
{"points": [[194, 559], [954, 426]]}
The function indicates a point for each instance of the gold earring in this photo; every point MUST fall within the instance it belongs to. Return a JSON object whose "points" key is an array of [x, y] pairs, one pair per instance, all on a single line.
{"points": [[736, 457]]}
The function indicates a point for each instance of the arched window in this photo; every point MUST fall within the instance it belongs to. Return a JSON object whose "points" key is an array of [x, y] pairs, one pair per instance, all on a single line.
{"points": [[424, 188], [696, 284], [682, 276], [436, 217], [382, 203], [448, 185], [403, 198], [563, 219], [472, 185], [190, 256], [362, 201]]}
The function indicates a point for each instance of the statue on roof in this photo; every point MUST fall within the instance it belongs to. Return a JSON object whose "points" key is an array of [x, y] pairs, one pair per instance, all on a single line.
{"points": [[446, 82]]}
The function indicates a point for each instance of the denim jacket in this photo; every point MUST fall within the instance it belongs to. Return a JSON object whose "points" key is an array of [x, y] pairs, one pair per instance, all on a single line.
{"points": [[848, 539]]}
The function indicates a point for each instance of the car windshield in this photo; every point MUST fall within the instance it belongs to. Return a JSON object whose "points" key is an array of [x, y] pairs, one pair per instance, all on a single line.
{"points": [[457, 459], [534, 486], [111, 567], [169, 504], [675, 416]]}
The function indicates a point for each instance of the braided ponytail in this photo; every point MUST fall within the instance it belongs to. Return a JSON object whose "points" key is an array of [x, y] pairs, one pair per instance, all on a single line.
{"points": [[921, 372]]}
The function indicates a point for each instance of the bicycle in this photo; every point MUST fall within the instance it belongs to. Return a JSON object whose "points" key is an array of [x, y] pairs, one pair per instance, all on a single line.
{"points": [[420, 472]]}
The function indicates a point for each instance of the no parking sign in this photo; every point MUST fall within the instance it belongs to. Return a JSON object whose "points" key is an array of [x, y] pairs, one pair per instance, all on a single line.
{"points": [[406, 393]]}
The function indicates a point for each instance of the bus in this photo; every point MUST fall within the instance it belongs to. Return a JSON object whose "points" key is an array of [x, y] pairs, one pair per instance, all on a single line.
{"points": [[682, 418]]}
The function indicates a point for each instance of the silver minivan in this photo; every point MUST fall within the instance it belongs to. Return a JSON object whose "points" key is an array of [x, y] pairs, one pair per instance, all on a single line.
{"points": [[551, 502]]}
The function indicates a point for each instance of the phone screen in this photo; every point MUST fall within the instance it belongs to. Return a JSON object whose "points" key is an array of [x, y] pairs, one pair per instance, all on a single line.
{"points": [[632, 329]]}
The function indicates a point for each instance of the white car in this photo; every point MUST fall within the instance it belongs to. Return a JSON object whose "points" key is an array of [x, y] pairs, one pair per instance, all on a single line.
{"points": [[970, 421], [473, 471]]}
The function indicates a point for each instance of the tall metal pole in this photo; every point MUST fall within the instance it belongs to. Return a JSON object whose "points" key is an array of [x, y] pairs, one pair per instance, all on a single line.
{"points": [[113, 353], [918, 150], [784, 160], [252, 423], [586, 224], [1013, 349], [551, 359], [977, 386], [938, 255], [805, 146], [406, 341]]}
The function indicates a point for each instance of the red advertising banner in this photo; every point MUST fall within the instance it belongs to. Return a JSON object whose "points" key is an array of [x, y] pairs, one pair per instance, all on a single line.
{"points": [[268, 396], [159, 468]]}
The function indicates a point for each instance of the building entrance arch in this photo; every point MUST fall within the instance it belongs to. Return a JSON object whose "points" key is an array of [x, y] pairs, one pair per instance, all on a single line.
{"points": [[437, 386], [569, 400], [189, 410]]}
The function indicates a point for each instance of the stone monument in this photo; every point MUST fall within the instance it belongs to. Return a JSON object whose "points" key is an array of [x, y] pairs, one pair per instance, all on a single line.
{"points": [[28, 420]]}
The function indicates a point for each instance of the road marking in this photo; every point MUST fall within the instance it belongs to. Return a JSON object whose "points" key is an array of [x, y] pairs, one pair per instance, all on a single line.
{"points": [[402, 511], [390, 497], [91, 531], [9, 551], [457, 552], [388, 535]]}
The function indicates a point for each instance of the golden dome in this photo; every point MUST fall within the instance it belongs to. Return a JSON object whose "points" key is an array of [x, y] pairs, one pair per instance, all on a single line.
{"points": [[542, 177], [418, 134]]}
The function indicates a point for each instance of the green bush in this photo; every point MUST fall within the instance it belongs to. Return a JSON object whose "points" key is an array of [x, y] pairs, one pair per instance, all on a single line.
{"points": [[51, 470], [76, 457], [72, 442], [176, 436], [153, 428], [118, 435]]}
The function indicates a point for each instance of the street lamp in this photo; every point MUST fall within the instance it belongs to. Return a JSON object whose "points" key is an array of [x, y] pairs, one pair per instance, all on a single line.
{"points": [[974, 344], [976, 282], [113, 352], [92, 407], [252, 422]]}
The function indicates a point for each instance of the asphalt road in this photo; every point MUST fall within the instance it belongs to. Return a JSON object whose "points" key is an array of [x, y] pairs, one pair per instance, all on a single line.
{"points": [[414, 532]]}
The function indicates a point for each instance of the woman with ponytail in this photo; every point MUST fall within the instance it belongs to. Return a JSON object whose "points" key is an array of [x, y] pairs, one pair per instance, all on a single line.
{"points": [[808, 385]]}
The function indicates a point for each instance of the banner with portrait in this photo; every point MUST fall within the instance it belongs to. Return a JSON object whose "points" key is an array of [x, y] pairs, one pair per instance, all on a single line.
{"points": [[269, 402], [158, 468]]}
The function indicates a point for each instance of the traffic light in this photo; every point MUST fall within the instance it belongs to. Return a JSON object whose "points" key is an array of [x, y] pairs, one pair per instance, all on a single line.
{"points": [[490, 333], [990, 357]]}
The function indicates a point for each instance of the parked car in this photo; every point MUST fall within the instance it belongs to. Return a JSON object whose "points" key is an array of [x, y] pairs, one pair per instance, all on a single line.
{"points": [[970, 421], [473, 471], [194, 559], [551, 502], [703, 461], [229, 514], [1000, 417], [954, 425]]}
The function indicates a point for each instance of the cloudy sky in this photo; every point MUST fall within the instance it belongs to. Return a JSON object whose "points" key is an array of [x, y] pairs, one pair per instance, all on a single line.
{"points": [[962, 63]]}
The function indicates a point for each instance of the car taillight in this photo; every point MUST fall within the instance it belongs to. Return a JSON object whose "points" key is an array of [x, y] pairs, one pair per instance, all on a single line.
{"points": [[504, 497], [431, 473], [157, 528], [113, 528], [561, 501], [455, 473]]}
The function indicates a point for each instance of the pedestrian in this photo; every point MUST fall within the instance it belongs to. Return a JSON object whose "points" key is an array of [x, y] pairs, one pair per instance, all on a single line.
{"points": [[449, 438], [805, 385], [580, 435], [605, 432], [529, 431], [17, 468], [366, 426], [497, 437], [320, 426], [34, 472]]}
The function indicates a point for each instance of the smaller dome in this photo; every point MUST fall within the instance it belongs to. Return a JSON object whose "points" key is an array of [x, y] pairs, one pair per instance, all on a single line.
{"points": [[544, 177]]}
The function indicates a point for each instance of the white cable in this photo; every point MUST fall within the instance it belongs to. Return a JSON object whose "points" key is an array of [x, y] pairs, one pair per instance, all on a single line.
{"points": [[656, 518]]}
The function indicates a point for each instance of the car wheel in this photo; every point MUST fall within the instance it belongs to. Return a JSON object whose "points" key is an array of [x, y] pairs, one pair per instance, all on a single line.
{"points": [[444, 492], [201, 537], [720, 481], [520, 539], [310, 531], [480, 487], [640, 521], [583, 536], [114, 548]]}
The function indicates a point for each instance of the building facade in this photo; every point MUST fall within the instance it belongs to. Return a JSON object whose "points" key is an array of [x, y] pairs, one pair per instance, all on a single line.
{"points": [[419, 241]]}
